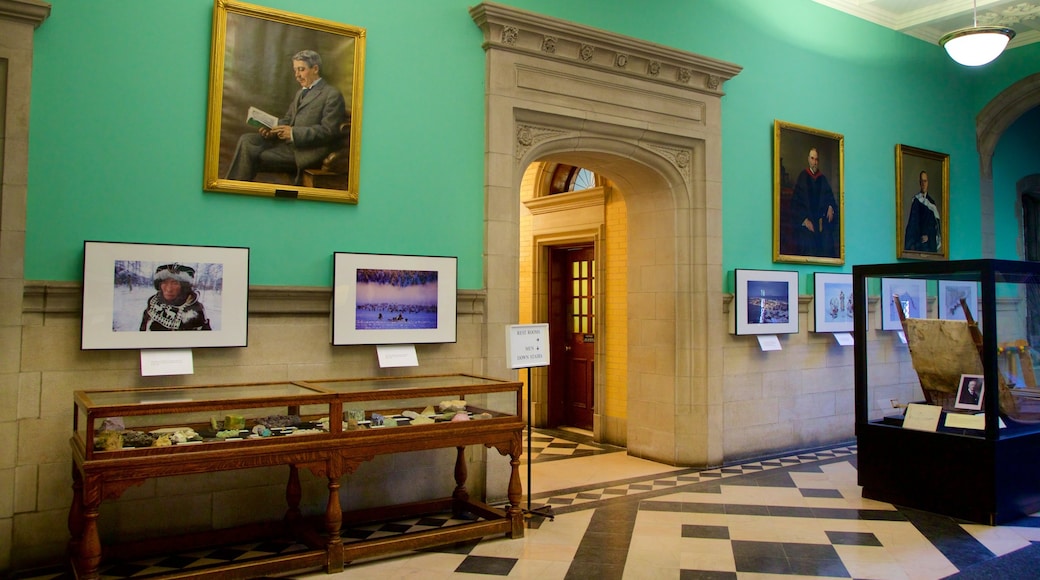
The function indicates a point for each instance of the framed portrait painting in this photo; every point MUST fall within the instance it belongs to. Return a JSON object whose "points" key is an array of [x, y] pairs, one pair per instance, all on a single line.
{"points": [[284, 116], [908, 294], [808, 195], [765, 302], [144, 296], [922, 204], [832, 302], [393, 299]]}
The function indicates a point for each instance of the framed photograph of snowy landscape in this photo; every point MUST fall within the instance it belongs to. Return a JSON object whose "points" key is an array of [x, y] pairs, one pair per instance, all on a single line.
{"points": [[144, 296], [766, 302], [393, 299]]}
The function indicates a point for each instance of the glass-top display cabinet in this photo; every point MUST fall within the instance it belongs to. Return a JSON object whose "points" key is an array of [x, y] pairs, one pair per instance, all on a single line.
{"points": [[947, 397], [171, 419], [158, 420], [378, 403]]}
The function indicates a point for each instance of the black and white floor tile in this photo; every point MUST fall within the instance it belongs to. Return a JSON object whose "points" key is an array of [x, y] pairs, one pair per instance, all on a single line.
{"points": [[796, 516]]}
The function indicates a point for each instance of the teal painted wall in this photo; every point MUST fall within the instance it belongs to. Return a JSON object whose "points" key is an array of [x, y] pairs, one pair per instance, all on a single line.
{"points": [[1014, 158], [119, 109]]}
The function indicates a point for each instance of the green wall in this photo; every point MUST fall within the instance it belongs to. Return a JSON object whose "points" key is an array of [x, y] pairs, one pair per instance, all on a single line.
{"points": [[119, 111], [1014, 158]]}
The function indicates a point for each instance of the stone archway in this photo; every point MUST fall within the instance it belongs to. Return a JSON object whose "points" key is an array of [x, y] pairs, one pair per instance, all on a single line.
{"points": [[649, 118], [990, 125]]}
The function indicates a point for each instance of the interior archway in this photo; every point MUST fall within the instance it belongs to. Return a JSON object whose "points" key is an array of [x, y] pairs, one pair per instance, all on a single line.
{"points": [[647, 118]]}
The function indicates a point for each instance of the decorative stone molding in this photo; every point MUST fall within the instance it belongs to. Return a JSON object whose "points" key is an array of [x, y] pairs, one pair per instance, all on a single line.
{"points": [[999, 114], [528, 136], [50, 298], [518, 30], [27, 11], [595, 197], [549, 44], [680, 158]]}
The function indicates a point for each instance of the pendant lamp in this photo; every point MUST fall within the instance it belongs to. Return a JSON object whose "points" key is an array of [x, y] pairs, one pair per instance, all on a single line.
{"points": [[976, 45]]}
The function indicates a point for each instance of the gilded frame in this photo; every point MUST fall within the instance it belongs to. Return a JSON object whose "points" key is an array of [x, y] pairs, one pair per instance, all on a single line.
{"points": [[910, 162], [792, 242], [251, 66]]}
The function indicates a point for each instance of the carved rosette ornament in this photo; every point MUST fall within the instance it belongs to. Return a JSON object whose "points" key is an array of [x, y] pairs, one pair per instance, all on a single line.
{"points": [[621, 60], [528, 136], [683, 75], [510, 34], [712, 82], [549, 44], [586, 52], [680, 158], [653, 68]]}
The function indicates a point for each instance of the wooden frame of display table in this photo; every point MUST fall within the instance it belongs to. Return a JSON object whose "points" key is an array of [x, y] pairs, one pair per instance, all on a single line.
{"points": [[100, 476]]}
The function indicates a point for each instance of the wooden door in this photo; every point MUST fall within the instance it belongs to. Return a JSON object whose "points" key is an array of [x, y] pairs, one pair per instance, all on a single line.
{"points": [[572, 330]]}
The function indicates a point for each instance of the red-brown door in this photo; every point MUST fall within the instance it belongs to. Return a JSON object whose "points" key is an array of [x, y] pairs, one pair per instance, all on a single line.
{"points": [[572, 336]]}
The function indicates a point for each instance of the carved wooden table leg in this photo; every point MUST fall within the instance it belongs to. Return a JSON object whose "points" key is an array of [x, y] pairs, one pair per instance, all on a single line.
{"points": [[461, 494], [90, 546], [333, 523], [514, 492], [75, 514], [293, 494]]}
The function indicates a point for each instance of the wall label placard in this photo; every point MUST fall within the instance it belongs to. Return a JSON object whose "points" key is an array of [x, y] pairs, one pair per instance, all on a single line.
{"points": [[527, 345]]}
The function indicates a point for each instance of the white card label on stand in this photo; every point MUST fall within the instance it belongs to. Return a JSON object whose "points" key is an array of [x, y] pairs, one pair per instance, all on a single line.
{"points": [[902, 337], [527, 345], [159, 362], [844, 338], [397, 355], [769, 342]]}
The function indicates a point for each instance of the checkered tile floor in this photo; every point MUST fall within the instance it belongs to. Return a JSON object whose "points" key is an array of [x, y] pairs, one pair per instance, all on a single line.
{"points": [[800, 515]]}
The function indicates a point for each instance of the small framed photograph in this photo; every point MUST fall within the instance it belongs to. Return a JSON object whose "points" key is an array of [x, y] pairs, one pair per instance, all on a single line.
{"points": [[922, 204], [969, 392], [832, 302], [950, 294], [808, 195], [766, 302], [912, 297], [134, 295], [393, 299]]}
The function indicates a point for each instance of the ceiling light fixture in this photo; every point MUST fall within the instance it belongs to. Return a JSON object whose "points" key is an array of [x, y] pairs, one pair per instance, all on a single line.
{"points": [[976, 45]]}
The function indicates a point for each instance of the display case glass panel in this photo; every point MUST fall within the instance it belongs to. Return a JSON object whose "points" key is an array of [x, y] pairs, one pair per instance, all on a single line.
{"points": [[962, 362]]}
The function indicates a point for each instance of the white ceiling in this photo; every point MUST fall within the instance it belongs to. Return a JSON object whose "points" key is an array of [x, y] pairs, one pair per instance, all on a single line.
{"points": [[930, 19]]}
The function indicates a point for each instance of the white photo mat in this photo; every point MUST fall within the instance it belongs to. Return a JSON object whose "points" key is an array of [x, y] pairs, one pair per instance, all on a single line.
{"points": [[950, 293], [965, 398], [832, 302], [913, 296], [117, 283], [380, 309], [765, 302]]}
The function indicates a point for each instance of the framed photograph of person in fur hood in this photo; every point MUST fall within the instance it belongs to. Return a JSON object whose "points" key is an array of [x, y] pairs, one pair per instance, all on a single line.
{"points": [[144, 296]]}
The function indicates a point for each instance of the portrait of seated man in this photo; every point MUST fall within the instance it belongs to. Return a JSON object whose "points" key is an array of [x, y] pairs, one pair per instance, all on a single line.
{"points": [[310, 129]]}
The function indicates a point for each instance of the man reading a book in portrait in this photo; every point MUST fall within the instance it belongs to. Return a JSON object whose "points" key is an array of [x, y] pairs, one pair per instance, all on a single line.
{"points": [[301, 139]]}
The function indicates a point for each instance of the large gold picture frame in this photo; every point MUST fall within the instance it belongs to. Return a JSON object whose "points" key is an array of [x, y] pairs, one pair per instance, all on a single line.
{"points": [[253, 67], [922, 227], [808, 207]]}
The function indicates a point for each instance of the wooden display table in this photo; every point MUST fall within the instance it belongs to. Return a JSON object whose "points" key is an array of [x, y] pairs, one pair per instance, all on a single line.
{"points": [[105, 475]]}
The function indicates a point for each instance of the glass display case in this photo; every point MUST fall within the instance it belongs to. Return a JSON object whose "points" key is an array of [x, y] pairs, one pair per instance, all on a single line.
{"points": [[169, 419], [947, 402], [122, 437]]}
